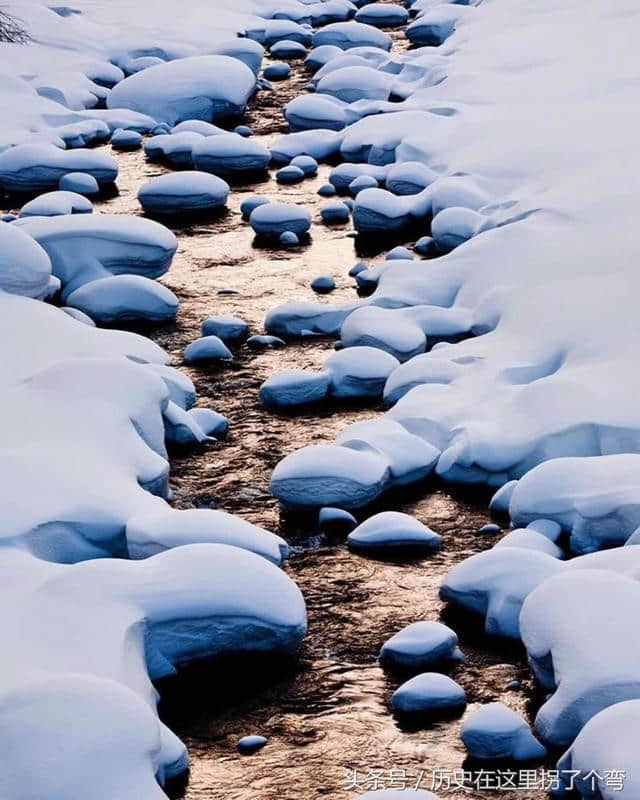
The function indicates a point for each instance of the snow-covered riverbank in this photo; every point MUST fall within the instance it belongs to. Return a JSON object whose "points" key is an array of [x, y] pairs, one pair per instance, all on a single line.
{"points": [[507, 354]]}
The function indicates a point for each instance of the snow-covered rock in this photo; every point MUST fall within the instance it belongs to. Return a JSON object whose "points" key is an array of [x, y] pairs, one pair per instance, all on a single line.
{"points": [[336, 520], [275, 218], [316, 111], [200, 87], [290, 174], [79, 183], [210, 422], [377, 327], [294, 387], [54, 204], [39, 167], [230, 154], [288, 49], [336, 213], [382, 15], [228, 328], [347, 35], [359, 371], [497, 732], [392, 530], [353, 83], [126, 140], [527, 538], [183, 192], [420, 646], [174, 149], [25, 267], [277, 72], [120, 298], [207, 349], [429, 693]]}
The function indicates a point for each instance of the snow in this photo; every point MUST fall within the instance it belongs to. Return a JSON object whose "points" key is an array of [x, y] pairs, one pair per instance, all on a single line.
{"points": [[435, 26], [454, 226], [294, 387], [80, 183], [277, 72], [430, 692], [227, 327], [336, 520], [526, 538], [163, 528], [120, 298], [595, 499], [210, 422], [323, 284], [307, 164], [347, 35], [310, 112], [275, 218], [39, 167], [251, 744], [392, 530], [126, 140], [497, 732], [359, 371], [352, 83], [176, 149], [568, 624], [420, 646], [242, 48], [230, 154], [290, 174], [382, 15], [25, 267], [207, 349], [610, 737], [335, 213], [183, 192], [201, 87], [85, 247], [286, 48], [318, 476], [378, 327]]}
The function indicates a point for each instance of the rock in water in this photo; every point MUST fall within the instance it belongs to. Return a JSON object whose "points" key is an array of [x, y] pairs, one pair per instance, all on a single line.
{"points": [[57, 204], [336, 521], [277, 218], [429, 693], [294, 387], [420, 646], [199, 87], [230, 154], [228, 328], [251, 744], [323, 284], [207, 348], [119, 298], [183, 193], [496, 732], [80, 183]]}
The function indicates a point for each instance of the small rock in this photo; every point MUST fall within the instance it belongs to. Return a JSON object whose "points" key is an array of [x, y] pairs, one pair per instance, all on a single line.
{"points": [[323, 284], [393, 530], [243, 130], [399, 254], [262, 341], [425, 246], [335, 213], [356, 269], [362, 182], [208, 348], [251, 744], [513, 686], [306, 163], [126, 140], [491, 528]]}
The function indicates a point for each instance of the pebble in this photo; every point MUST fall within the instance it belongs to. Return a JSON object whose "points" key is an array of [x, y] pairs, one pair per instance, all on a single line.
{"points": [[251, 744], [323, 284]]}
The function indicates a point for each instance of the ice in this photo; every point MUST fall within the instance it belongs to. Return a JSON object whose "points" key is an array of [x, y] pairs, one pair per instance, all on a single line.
{"points": [[201, 87], [294, 387], [359, 371], [352, 83], [230, 154], [497, 732], [276, 218], [230, 329], [392, 530], [164, 528], [39, 167], [382, 15], [595, 499], [183, 192], [347, 35], [420, 645], [610, 737], [318, 476], [85, 247], [121, 298], [126, 140], [207, 349], [25, 267], [429, 693]]}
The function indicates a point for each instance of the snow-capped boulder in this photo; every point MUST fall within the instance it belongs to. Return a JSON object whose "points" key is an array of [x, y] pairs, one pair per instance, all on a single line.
{"points": [[275, 218], [353, 83], [230, 154], [310, 112], [421, 645], [429, 693], [329, 475], [86, 247], [200, 87], [336, 213], [336, 520], [164, 528], [434, 26], [454, 226], [390, 531], [228, 328], [288, 49], [382, 15], [347, 35], [80, 183], [277, 72], [25, 267], [323, 284], [126, 140], [243, 49], [294, 387], [290, 174], [527, 538], [54, 204], [380, 328], [207, 349], [120, 298], [174, 149], [39, 167], [497, 732], [359, 371], [183, 192], [210, 422], [307, 164]]}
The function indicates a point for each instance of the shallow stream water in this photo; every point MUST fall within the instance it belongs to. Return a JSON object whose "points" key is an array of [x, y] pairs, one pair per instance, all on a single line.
{"points": [[327, 715]]}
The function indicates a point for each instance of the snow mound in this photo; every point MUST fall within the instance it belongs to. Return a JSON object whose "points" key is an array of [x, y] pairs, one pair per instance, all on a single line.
{"points": [[420, 646], [347, 35], [294, 387], [200, 87], [25, 267], [392, 530], [39, 167], [228, 328], [272, 219], [382, 15], [353, 83], [55, 204], [183, 192], [497, 732], [359, 371], [121, 298], [230, 154], [207, 349], [428, 693]]}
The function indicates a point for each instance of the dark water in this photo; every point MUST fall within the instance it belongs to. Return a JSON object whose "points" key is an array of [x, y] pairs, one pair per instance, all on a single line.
{"points": [[328, 713]]}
